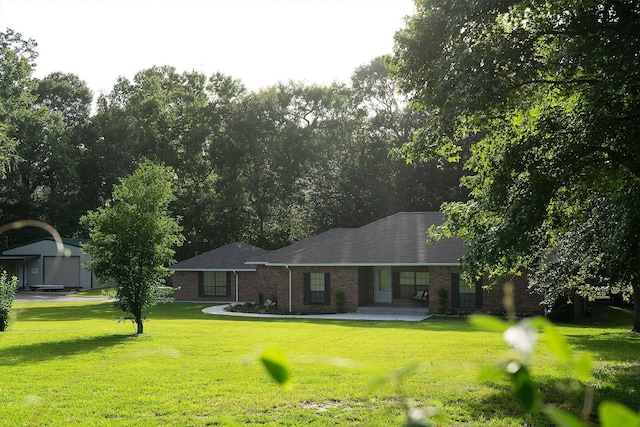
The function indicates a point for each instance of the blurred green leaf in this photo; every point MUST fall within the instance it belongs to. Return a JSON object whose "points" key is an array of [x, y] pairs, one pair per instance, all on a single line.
{"points": [[526, 389], [488, 323], [394, 376], [582, 367], [561, 418], [277, 366], [614, 414], [490, 373], [557, 343]]}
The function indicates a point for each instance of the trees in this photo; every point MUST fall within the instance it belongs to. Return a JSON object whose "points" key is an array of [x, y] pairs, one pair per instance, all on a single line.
{"points": [[132, 239], [17, 57], [44, 129], [551, 92]]}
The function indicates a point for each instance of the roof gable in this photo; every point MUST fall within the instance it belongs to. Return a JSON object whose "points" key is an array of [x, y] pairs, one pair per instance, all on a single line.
{"points": [[398, 239], [46, 246], [291, 250], [65, 241], [231, 257]]}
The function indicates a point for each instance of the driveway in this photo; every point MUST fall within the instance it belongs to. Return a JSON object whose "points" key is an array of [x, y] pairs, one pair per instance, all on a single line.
{"points": [[55, 297]]}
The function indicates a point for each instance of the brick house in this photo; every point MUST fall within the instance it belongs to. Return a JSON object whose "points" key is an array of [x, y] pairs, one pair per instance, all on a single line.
{"points": [[384, 263]]}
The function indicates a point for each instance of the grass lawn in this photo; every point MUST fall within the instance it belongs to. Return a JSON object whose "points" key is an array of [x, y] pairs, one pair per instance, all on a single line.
{"points": [[73, 364]]}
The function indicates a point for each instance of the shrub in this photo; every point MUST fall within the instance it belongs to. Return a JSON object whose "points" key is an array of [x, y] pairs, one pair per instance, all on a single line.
{"points": [[442, 300], [340, 301], [8, 288]]}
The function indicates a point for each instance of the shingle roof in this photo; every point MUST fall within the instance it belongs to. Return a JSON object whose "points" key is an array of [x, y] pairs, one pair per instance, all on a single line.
{"points": [[399, 239], [319, 239], [231, 257]]}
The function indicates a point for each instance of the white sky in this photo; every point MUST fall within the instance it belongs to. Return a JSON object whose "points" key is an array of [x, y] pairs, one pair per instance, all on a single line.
{"points": [[260, 42]]}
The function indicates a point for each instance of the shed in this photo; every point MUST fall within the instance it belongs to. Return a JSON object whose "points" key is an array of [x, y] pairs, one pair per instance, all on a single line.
{"points": [[38, 263]]}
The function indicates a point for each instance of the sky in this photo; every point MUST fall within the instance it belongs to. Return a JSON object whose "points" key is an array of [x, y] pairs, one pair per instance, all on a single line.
{"points": [[260, 42]]}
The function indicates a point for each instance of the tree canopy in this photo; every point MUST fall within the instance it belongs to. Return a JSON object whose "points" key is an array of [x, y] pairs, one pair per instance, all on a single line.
{"points": [[267, 167], [551, 92]]}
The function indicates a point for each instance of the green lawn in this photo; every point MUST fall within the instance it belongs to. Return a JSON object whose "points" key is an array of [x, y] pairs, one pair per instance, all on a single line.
{"points": [[73, 364]]}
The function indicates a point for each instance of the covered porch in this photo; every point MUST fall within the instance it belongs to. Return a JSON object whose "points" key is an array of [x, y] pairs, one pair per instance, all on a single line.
{"points": [[394, 287]]}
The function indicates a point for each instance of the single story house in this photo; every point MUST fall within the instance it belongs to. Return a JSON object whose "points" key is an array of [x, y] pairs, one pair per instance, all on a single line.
{"points": [[39, 265], [387, 263]]}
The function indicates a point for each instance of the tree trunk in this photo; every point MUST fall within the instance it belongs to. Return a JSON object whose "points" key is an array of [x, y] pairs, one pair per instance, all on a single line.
{"points": [[636, 307], [140, 326], [578, 308]]}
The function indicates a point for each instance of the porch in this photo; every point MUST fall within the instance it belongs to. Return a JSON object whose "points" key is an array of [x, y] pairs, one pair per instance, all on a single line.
{"points": [[389, 289], [393, 310]]}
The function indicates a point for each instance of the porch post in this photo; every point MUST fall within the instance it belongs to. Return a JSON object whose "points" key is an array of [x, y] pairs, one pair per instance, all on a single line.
{"points": [[236, 274]]}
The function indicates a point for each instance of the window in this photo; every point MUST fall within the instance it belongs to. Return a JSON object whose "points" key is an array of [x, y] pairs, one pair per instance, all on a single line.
{"points": [[412, 282], [215, 284], [463, 295], [466, 295], [316, 289]]}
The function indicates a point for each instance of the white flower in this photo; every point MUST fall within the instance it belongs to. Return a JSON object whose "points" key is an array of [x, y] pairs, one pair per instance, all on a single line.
{"points": [[521, 337]]}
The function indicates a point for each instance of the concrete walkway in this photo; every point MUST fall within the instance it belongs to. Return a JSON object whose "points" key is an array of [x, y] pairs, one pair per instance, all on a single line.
{"points": [[220, 309]]}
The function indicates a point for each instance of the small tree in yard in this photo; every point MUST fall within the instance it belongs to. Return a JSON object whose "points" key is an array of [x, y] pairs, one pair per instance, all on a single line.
{"points": [[132, 239], [8, 286]]}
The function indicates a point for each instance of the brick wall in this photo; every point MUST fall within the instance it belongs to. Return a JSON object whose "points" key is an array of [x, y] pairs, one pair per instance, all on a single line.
{"points": [[492, 300], [357, 283], [440, 278], [187, 282], [343, 279], [272, 283], [525, 301]]}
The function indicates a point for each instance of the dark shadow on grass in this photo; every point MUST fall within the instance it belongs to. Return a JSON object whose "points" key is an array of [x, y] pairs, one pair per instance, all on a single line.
{"points": [[608, 346], [432, 324], [45, 351], [501, 403], [617, 372], [60, 312], [622, 384], [193, 311]]}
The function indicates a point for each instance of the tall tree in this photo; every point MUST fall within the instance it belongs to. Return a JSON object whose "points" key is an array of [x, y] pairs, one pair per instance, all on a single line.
{"points": [[133, 240], [176, 119], [71, 181], [41, 182], [552, 90]]}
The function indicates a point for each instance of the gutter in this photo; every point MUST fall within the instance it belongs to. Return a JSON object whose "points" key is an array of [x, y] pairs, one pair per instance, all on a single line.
{"points": [[416, 264]]}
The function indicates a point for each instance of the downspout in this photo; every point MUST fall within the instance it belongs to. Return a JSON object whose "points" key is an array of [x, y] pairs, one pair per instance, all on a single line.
{"points": [[236, 273], [289, 270]]}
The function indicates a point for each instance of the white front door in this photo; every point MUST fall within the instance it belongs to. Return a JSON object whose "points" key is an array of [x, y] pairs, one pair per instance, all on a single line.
{"points": [[382, 284]]}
